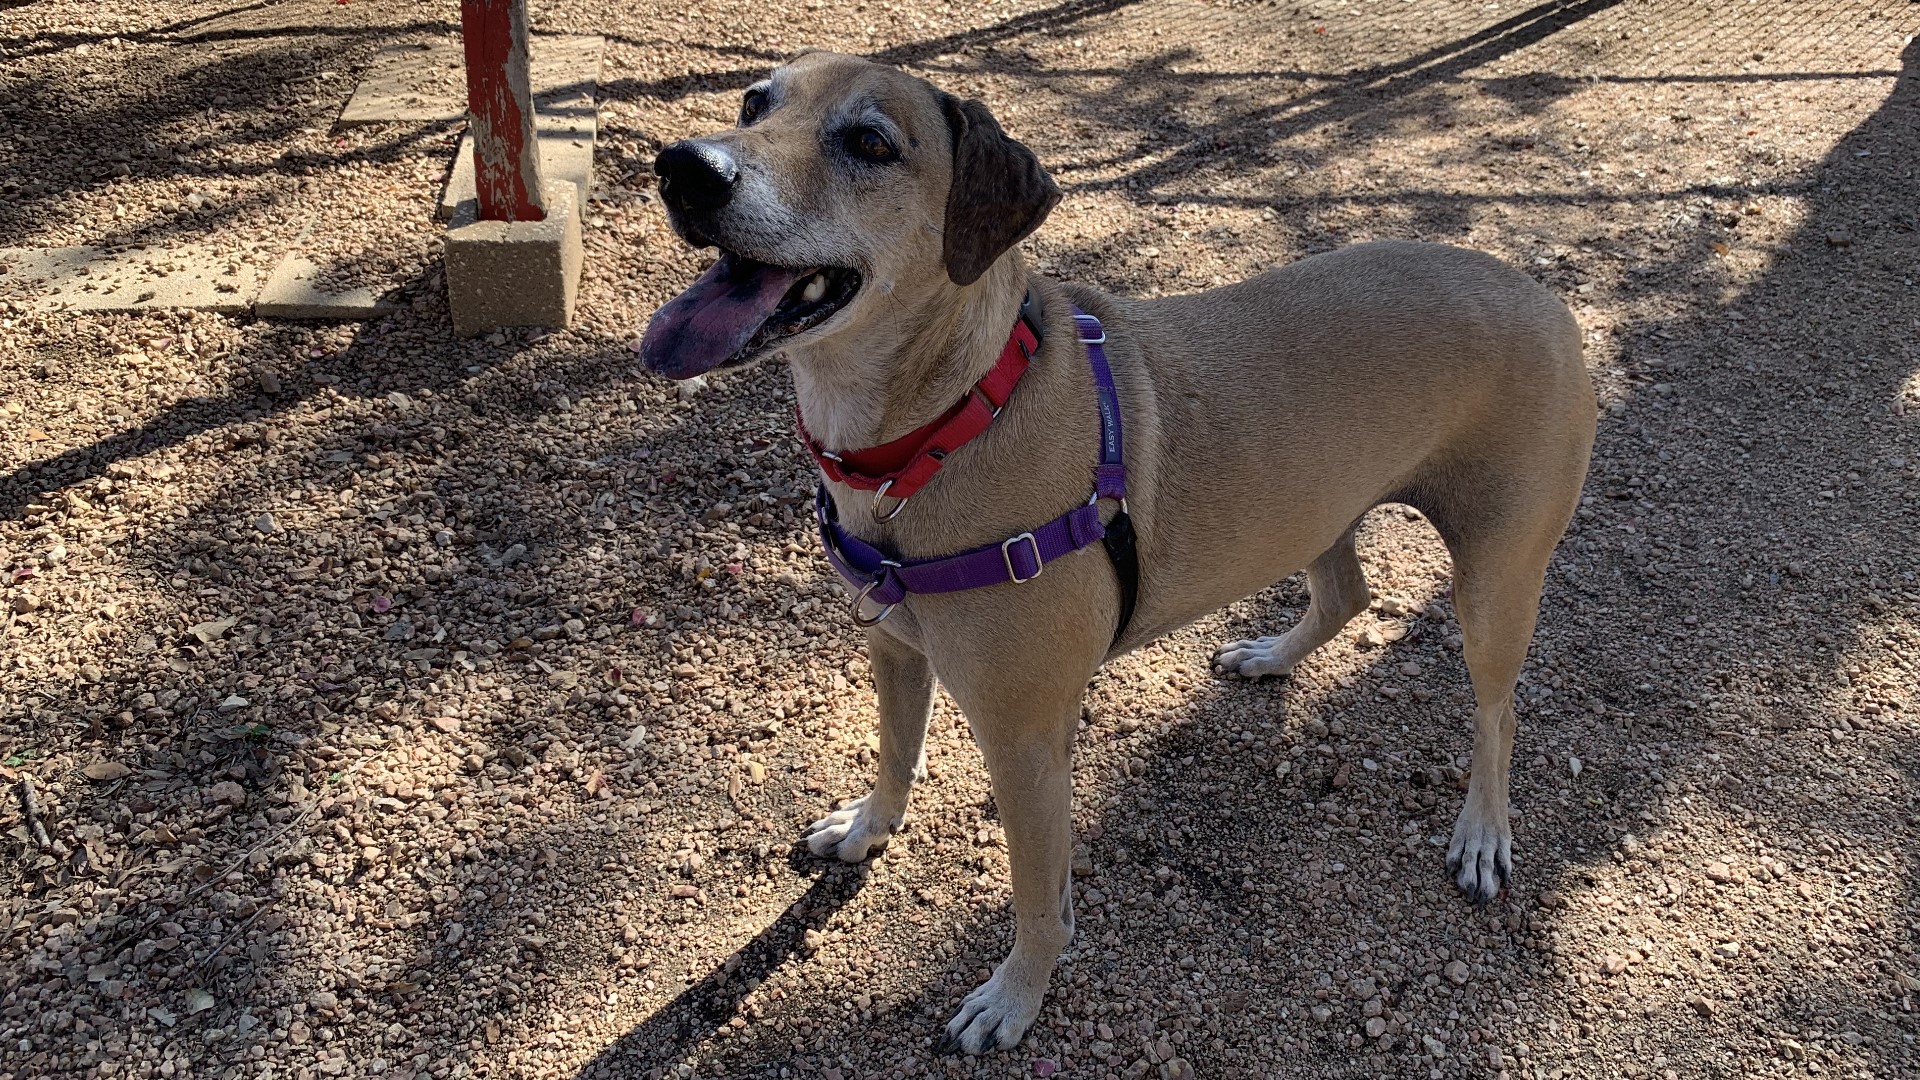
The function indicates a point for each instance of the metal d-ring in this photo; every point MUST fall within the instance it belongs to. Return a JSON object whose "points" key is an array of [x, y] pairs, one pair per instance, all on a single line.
{"points": [[898, 505], [861, 598]]}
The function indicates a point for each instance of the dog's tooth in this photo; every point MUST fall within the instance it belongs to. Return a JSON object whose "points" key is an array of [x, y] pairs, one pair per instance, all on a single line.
{"points": [[816, 289]]}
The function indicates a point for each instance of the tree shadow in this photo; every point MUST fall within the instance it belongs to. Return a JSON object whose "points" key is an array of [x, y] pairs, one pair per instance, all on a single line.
{"points": [[172, 133], [364, 630]]}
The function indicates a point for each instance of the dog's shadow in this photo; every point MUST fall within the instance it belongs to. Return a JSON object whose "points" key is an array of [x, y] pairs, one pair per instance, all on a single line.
{"points": [[700, 1011]]}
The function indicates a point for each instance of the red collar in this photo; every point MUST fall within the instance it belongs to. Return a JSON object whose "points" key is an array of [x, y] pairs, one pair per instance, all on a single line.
{"points": [[899, 468]]}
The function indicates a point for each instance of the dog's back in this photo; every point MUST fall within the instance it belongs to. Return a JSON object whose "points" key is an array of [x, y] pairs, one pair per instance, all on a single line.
{"points": [[1315, 391], [1394, 317]]}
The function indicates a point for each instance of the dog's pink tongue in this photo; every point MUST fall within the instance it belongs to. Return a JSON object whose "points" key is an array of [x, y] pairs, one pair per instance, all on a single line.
{"points": [[717, 315]]}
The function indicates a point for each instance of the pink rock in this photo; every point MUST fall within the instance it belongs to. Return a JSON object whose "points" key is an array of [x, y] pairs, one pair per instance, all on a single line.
{"points": [[227, 791]]}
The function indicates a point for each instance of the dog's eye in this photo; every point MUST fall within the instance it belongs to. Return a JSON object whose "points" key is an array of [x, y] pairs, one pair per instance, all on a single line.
{"points": [[752, 106], [867, 143]]}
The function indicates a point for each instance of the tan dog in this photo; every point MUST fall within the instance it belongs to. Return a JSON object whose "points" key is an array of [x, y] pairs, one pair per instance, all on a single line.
{"points": [[867, 224]]}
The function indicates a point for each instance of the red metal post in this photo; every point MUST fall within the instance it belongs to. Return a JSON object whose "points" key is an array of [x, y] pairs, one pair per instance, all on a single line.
{"points": [[506, 153]]}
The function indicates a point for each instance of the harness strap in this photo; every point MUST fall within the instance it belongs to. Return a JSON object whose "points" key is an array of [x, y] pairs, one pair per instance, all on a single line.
{"points": [[885, 582], [1110, 475], [1017, 559]]}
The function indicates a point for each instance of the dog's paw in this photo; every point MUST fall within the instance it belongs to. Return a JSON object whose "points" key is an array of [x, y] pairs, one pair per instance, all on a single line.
{"points": [[994, 1016], [852, 831], [1480, 858], [1257, 657]]}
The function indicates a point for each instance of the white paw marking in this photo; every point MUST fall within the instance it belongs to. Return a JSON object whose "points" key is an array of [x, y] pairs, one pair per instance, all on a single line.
{"points": [[995, 1015], [1481, 854], [1257, 657], [850, 832]]}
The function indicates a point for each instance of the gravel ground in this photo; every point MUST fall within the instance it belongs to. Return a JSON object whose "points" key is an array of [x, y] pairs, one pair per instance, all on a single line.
{"points": [[379, 704]]}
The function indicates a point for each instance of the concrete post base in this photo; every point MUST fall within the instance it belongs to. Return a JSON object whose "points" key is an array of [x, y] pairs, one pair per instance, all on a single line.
{"points": [[514, 273]]}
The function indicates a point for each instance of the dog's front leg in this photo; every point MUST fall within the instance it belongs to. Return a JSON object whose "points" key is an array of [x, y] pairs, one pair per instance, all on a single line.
{"points": [[1029, 759], [904, 683]]}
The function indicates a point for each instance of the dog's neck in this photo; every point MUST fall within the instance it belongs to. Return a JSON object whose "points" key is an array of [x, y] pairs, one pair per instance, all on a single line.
{"points": [[904, 372]]}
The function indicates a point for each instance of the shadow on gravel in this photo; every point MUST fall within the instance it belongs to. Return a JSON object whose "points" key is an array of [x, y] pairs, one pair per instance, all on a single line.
{"points": [[1245, 124], [703, 1009], [353, 370], [1046, 20], [169, 131], [404, 353], [197, 30], [342, 633]]}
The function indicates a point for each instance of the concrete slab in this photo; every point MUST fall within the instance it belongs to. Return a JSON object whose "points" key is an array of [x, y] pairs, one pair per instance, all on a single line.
{"points": [[565, 136], [102, 279], [291, 292], [428, 82], [514, 273]]}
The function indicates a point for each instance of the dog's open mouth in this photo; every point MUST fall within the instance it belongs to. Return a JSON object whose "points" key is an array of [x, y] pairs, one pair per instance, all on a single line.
{"points": [[739, 309]]}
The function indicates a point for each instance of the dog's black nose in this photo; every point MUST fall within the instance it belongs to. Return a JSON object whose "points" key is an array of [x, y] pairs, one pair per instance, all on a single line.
{"points": [[695, 175]]}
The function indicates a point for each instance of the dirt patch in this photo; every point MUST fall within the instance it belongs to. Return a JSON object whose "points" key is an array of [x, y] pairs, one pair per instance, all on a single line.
{"points": [[400, 706]]}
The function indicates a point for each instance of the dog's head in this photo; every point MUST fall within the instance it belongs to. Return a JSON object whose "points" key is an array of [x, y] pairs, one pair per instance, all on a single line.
{"points": [[844, 182]]}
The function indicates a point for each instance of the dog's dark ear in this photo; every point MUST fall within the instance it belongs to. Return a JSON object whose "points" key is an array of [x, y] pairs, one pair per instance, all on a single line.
{"points": [[1000, 193]]}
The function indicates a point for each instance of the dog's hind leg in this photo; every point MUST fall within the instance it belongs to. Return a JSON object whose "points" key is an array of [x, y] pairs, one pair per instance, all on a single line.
{"points": [[904, 683], [1336, 592], [1500, 547]]}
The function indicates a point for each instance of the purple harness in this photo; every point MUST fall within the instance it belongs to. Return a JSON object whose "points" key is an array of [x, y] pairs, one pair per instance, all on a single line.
{"points": [[1017, 559]]}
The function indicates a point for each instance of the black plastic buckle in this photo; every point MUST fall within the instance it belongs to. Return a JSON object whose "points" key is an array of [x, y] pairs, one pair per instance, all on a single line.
{"points": [[1034, 311]]}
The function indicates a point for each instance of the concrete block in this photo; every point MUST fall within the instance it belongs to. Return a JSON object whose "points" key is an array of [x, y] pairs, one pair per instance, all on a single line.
{"points": [[514, 273], [428, 82], [130, 279], [291, 292]]}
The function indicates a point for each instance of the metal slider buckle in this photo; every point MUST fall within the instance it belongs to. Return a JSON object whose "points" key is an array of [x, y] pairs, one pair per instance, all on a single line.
{"points": [[1006, 556], [987, 401], [899, 504], [861, 597], [1080, 325]]}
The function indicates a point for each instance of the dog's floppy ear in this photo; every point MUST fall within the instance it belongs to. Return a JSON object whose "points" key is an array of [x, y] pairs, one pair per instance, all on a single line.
{"points": [[1000, 192]]}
